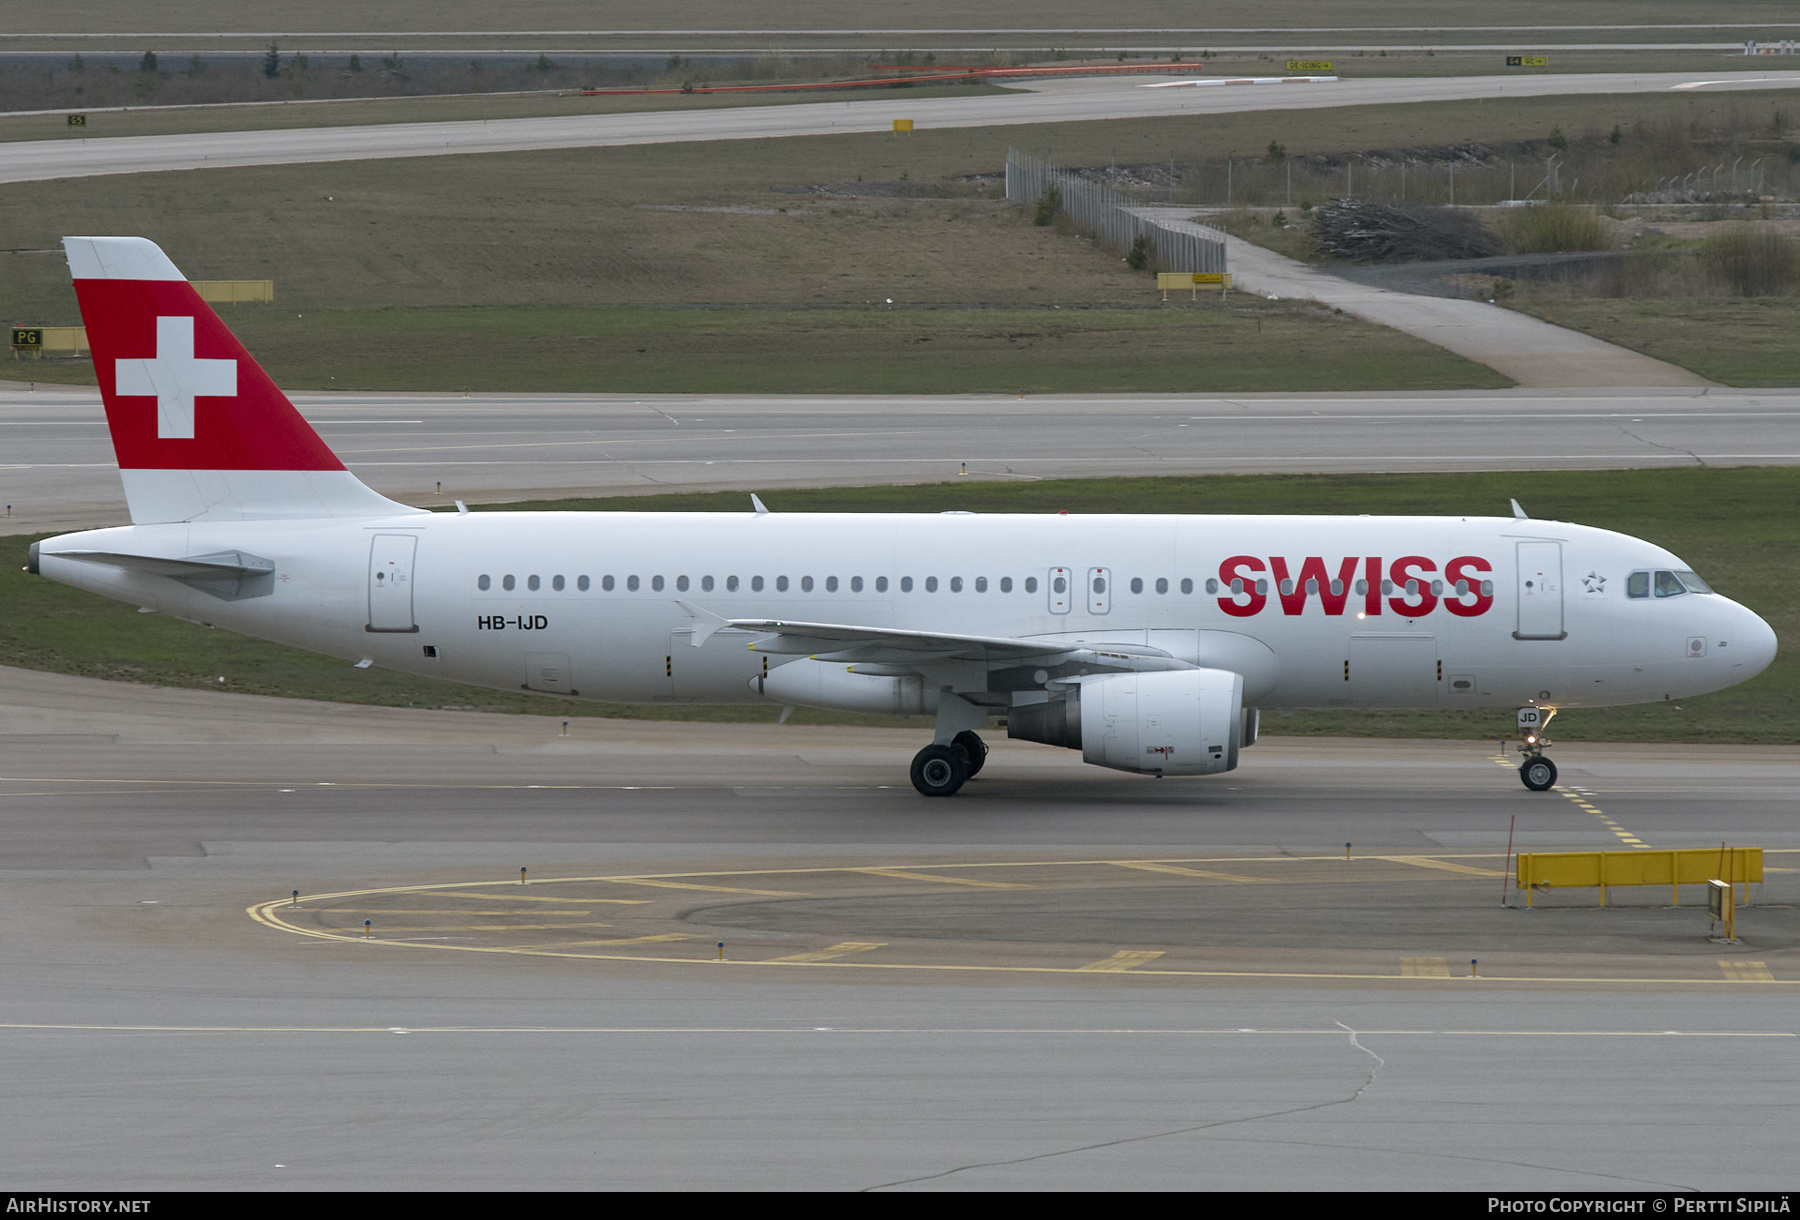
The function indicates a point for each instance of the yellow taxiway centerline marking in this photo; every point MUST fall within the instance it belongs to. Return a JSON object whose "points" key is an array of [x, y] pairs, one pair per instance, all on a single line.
{"points": [[995, 1031], [1582, 802], [488, 927], [544, 898], [1121, 961], [465, 912], [1179, 871], [617, 940], [903, 875], [689, 885], [826, 954]]}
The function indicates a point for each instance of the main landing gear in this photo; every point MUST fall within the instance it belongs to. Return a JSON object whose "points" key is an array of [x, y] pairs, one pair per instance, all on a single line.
{"points": [[939, 770], [1537, 772]]}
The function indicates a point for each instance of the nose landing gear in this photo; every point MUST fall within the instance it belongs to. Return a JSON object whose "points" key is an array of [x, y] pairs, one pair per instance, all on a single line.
{"points": [[1537, 772]]}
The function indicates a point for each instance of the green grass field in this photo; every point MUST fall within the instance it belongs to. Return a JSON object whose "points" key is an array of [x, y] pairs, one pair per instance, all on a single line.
{"points": [[1736, 526], [1736, 341]]}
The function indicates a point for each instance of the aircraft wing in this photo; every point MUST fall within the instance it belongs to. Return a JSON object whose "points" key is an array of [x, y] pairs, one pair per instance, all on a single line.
{"points": [[848, 642]]}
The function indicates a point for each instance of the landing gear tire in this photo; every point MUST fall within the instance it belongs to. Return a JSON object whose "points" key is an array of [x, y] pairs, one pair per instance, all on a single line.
{"points": [[974, 750], [1539, 774], [939, 770]]}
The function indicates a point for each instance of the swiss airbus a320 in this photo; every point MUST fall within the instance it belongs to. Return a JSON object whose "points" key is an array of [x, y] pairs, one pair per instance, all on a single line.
{"points": [[1146, 642]]}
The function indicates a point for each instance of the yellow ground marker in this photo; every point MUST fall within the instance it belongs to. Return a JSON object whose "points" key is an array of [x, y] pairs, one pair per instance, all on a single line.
{"points": [[1179, 871], [465, 912], [826, 954], [1746, 972], [1424, 968], [493, 927], [1444, 865], [902, 875], [577, 944], [1625, 836], [1123, 960]]}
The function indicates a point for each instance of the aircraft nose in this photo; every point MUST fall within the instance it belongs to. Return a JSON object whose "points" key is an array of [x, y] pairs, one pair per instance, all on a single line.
{"points": [[1753, 645]]}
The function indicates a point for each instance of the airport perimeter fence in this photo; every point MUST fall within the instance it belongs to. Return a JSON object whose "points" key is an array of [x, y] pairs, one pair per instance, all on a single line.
{"points": [[1108, 215]]}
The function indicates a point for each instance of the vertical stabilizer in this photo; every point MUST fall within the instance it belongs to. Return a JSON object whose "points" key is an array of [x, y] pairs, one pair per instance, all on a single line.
{"points": [[200, 431]]}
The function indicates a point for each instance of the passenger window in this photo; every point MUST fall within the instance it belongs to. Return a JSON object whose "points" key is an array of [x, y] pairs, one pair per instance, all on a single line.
{"points": [[681, 584], [931, 584], [881, 584], [484, 583], [606, 583], [1099, 584], [956, 584], [981, 584], [706, 584], [806, 584], [1006, 584], [631, 583], [1262, 586], [781, 584], [507, 583], [1162, 584], [1059, 585], [1212, 586], [581, 583], [531, 582], [556, 582], [855, 584], [1487, 588], [656, 584], [1668, 586], [1031, 584], [731, 584], [756, 584], [1137, 584], [831, 584], [906, 584]]}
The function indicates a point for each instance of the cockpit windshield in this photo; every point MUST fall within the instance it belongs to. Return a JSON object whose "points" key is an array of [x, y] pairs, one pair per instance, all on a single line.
{"points": [[1664, 584]]}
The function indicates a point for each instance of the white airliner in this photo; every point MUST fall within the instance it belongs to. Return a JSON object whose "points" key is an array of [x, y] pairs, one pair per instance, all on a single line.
{"points": [[1146, 642]]}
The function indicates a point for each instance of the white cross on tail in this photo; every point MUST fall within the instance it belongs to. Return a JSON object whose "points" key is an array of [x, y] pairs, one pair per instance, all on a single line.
{"points": [[175, 378]]}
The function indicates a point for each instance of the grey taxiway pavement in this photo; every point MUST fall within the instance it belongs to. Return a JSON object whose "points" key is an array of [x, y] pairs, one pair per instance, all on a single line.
{"points": [[1049, 102], [58, 472], [1061, 978]]}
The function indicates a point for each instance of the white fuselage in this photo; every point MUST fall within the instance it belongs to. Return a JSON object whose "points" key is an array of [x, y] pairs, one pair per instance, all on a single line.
{"points": [[603, 605]]}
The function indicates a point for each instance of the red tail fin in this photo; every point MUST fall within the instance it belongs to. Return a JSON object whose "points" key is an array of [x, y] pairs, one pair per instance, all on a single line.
{"points": [[183, 396]]}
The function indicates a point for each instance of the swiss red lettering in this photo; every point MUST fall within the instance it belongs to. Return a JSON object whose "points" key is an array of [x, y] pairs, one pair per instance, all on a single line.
{"points": [[1312, 578], [1421, 601], [1241, 568], [1470, 568], [1372, 585]]}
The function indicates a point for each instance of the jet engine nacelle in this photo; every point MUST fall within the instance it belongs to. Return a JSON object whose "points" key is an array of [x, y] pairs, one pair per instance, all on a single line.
{"points": [[1178, 722]]}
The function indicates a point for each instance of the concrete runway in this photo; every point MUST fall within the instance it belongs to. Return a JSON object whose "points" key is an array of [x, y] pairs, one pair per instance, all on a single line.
{"points": [[1046, 102], [957, 1007], [58, 472]]}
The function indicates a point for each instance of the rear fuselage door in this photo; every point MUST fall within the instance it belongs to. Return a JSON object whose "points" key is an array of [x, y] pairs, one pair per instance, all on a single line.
{"points": [[1540, 591], [391, 582]]}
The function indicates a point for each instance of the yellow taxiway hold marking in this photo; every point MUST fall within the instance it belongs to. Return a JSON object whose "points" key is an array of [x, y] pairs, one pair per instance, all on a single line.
{"points": [[1444, 865], [1424, 968], [902, 875], [718, 889], [1747, 972], [1179, 871], [1123, 960], [826, 954]]}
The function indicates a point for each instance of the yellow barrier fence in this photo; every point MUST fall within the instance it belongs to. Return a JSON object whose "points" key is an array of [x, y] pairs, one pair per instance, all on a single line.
{"points": [[1590, 869], [235, 292]]}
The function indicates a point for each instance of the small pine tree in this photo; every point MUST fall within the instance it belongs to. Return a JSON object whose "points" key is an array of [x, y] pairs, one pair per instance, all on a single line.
{"points": [[1049, 203], [272, 62], [1277, 150], [1558, 140], [356, 63], [148, 63], [1138, 257], [1616, 135]]}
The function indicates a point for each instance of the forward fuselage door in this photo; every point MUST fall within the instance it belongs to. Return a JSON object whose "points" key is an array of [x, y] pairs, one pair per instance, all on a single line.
{"points": [[391, 582], [1540, 591]]}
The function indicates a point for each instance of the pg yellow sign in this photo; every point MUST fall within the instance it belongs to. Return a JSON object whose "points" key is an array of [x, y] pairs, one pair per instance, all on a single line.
{"points": [[1311, 65], [1528, 61]]}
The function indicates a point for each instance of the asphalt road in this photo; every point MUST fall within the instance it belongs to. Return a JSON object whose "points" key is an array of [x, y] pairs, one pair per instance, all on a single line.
{"points": [[58, 470], [1053, 102], [154, 1035]]}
